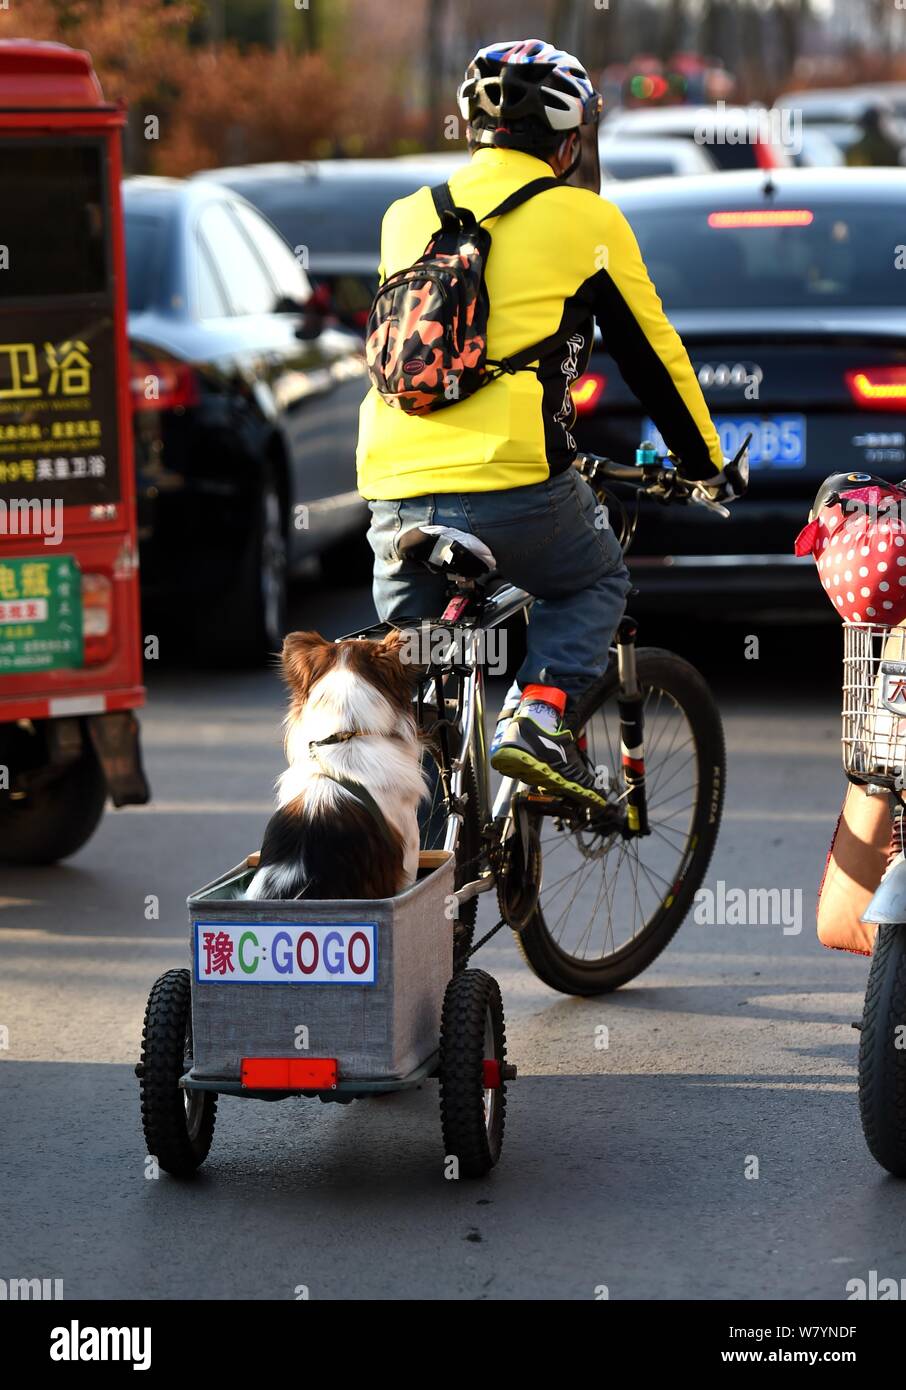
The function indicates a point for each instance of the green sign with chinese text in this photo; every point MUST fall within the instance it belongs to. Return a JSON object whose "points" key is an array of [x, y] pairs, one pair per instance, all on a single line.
{"points": [[40, 614]]}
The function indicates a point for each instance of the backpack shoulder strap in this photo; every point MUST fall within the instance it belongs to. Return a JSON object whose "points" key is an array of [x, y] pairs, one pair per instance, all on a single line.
{"points": [[522, 195], [446, 209]]}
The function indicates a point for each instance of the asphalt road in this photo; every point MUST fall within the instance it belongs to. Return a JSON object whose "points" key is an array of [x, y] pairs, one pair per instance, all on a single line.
{"points": [[625, 1167]]}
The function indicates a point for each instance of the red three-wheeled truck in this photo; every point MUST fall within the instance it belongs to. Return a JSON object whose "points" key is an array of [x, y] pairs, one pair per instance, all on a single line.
{"points": [[70, 637]]}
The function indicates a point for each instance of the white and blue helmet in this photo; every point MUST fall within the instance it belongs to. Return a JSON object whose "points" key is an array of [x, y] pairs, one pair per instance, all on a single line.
{"points": [[526, 88]]}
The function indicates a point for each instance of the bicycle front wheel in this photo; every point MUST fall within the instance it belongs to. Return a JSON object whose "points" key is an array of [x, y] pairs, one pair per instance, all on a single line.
{"points": [[609, 905]]}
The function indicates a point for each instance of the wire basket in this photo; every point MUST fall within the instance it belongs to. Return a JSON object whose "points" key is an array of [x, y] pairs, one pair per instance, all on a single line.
{"points": [[874, 703]]}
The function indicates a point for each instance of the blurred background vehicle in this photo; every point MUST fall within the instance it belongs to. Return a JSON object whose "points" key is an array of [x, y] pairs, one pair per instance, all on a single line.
{"points": [[640, 158], [837, 113], [785, 289], [817, 150], [245, 416], [333, 209], [727, 141]]}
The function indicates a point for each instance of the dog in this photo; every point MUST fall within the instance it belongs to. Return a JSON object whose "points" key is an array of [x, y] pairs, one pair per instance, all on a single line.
{"points": [[346, 824]]}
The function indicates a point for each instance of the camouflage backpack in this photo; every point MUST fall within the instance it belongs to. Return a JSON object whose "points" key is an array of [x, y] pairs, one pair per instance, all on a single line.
{"points": [[426, 340]]}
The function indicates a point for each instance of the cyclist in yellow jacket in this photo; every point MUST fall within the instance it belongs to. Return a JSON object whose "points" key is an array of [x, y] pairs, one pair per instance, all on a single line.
{"points": [[498, 463]]}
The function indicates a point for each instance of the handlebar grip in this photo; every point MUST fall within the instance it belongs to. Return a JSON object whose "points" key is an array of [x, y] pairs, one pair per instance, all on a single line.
{"points": [[608, 468]]}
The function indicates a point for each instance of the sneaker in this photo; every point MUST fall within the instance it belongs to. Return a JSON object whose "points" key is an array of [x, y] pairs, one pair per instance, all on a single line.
{"points": [[545, 755], [504, 720]]}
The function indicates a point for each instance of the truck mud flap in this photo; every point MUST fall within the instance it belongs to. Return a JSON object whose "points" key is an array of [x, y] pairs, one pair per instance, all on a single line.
{"points": [[116, 742]]}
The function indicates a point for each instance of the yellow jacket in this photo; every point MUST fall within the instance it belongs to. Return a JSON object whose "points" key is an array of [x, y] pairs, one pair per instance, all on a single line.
{"points": [[559, 261]]}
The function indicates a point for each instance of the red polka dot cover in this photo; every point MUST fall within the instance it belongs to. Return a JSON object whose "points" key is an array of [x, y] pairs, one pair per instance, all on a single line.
{"points": [[859, 544]]}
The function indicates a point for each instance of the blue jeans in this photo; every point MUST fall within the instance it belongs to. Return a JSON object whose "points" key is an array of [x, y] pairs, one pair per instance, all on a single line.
{"points": [[547, 538]]}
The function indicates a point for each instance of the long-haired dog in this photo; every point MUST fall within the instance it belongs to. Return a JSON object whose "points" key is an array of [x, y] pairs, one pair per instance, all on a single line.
{"points": [[346, 824]]}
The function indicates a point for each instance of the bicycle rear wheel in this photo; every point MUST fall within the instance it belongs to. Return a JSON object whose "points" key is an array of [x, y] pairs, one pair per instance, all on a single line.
{"points": [[609, 905]]}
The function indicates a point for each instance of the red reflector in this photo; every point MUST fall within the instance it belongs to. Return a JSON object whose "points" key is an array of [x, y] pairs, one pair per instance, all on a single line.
{"points": [[289, 1073], [763, 217], [491, 1074], [587, 390], [878, 388], [162, 385], [97, 618]]}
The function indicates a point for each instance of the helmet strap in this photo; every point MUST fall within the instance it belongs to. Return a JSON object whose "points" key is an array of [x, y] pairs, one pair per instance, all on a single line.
{"points": [[568, 173]]}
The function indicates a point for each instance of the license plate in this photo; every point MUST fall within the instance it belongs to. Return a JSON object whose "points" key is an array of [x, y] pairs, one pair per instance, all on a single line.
{"points": [[40, 614], [777, 442], [282, 953]]}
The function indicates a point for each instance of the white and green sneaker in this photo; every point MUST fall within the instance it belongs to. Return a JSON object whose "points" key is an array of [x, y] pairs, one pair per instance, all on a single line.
{"points": [[537, 749]]}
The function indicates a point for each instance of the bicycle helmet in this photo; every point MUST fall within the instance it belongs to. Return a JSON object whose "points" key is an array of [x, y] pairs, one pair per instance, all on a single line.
{"points": [[857, 534], [526, 95]]}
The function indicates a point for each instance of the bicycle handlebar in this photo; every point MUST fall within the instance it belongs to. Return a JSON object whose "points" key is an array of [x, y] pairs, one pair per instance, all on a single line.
{"points": [[660, 478]]}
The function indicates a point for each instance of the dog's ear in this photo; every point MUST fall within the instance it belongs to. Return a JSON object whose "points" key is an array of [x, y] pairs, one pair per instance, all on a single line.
{"points": [[395, 658], [300, 657]]}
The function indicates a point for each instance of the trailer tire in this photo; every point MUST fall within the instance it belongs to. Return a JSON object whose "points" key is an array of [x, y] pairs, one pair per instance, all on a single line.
{"points": [[472, 1033], [178, 1124]]}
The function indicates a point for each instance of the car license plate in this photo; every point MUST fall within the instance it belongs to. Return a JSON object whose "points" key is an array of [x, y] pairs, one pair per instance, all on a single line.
{"points": [[40, 614], [286, 953], [777, 442]]}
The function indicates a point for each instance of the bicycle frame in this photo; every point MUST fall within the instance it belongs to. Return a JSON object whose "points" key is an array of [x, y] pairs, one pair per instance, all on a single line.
{"points": [[494, 610]]}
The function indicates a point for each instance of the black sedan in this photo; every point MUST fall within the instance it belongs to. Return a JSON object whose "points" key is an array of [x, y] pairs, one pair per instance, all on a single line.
{"points": [[331, 211], [789, 290], [245, 415]]}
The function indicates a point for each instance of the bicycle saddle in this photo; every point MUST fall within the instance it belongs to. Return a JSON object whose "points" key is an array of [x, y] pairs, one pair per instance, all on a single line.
{"points": [[445, 550]]}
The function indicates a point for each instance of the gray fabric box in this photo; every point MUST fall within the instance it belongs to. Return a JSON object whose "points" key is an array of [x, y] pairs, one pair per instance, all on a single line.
{"points": [[378, 1030]]}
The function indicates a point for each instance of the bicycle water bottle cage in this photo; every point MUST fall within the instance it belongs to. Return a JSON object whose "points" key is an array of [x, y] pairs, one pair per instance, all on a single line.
{"points": [[445, 550]]}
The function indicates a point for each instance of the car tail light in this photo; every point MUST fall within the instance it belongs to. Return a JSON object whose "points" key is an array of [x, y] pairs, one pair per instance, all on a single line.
{"points": [[762, 217], [878, 388], [97, 618], [765, 157], [587, 391], [163, 385], [289, 1073]]}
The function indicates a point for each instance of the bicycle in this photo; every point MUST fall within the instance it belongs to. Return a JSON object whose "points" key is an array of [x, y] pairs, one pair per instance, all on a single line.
{"points": [[874, 756], [650, 708]]}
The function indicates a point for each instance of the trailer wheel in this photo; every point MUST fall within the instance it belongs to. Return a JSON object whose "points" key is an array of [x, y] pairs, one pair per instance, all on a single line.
{"points": [[53, 820], [178, 1124], [472, 1072]]}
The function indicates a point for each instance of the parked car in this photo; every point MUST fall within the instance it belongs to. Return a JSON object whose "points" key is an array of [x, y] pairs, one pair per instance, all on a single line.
{"points": [[836, 112], [640, 158], [817, 150], [245, 414], [787, 294], [334, 208], [734, 137]]}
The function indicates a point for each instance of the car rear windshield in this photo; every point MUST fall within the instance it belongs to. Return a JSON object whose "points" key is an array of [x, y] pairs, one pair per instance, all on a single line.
{"points": [[833, 256], [331, 215], [143, 239], [53, 218]]}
